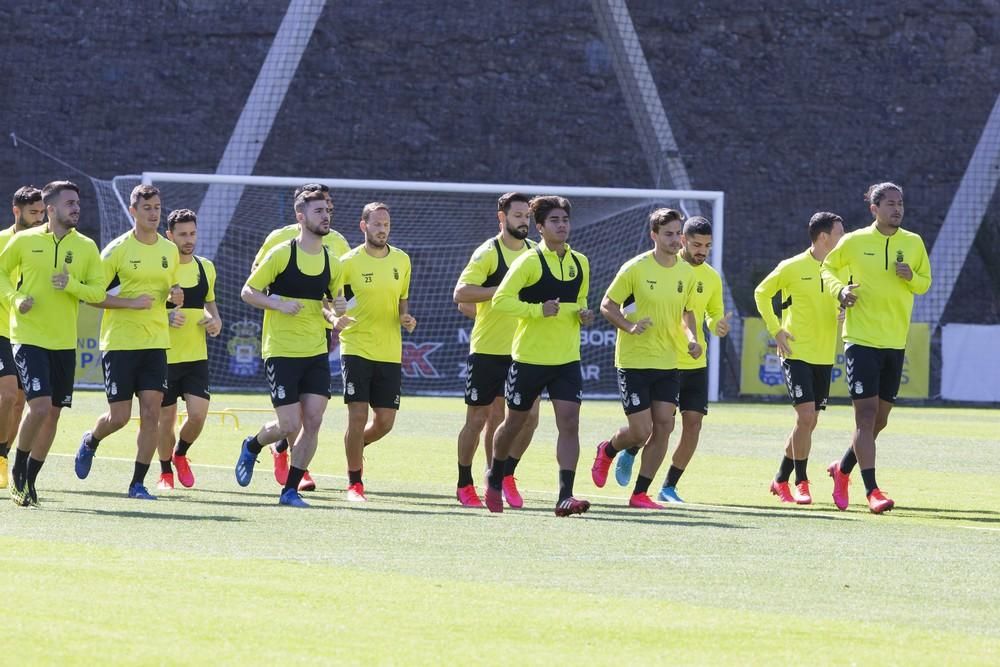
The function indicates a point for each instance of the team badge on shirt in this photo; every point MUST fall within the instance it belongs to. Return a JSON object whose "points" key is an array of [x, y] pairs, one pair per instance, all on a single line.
{"points": [[680, 286], [701, 287], [163, 261], [69, 257], [572, 271], [395, 273]]}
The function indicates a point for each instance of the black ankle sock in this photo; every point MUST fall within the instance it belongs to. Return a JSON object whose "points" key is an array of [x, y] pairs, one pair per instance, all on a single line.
{"points": [[353, 476], [800, 471], [165, 467], [868, 475], [34, 466], [673, 476], [4, 449], [509, 466], [610, 451], [295, 476], [20, 464], [464, 475], [182, 447], [282, 446], [566, 478], [848, 462], [634, 451], [254, 446], [496, 473], [139, 475], [642, 484], [784, 470], [92, 441]]}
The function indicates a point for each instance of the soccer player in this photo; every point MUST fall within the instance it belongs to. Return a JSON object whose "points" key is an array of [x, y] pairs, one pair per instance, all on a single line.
{"points": [[140, 268], [874, 272], [806, 337], [377, 288], [338, 247], [29, 211], [57, 267], [692, 372], [649, 302], [489, 349], [187, 358], [546, 290], [289, 285]]}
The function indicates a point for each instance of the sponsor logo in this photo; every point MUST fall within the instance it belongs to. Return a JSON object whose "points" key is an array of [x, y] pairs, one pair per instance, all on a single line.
{"points": [[135, 263], [416, 362], [651, 283]]}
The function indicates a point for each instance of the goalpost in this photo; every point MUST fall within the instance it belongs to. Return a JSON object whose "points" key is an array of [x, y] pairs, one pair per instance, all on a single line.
{"points": [[438, 225]]}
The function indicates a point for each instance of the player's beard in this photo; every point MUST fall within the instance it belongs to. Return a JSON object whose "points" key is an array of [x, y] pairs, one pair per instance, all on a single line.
{"points": [[186, 250], [318, 229], [375, 242], [519, 233], [691, 259]]}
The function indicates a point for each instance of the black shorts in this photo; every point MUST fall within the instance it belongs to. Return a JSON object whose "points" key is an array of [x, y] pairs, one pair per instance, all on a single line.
{"points": [[525, 383], [485, 375], [639, 387], [693, 393], [46, 372], [188, 378], [873, 371], [376, 383], [7, 359], [127, 372], [807, 383], [290, 377]]}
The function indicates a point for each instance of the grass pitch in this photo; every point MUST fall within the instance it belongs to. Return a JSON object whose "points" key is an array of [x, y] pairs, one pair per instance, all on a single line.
{"points": [[222, 575]]}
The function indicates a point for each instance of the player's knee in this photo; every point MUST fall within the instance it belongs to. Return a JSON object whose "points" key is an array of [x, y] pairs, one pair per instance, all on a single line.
{"points": [[662, 426], [8, 396], [641, 432], [289, 426], [41, 407]]}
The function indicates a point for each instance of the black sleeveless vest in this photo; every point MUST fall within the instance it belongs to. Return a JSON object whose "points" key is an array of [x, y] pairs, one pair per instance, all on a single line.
{"points": [[494, 278], [549, 287], [194, 297], [294, 284]]}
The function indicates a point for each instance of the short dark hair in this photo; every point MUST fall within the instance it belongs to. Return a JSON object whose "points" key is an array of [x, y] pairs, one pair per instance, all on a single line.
{"points": [[697, 225], [542, 205], [505, 200], [371, 207], [142, 191], [822, 223], [51, 191], [25, 195], [663, 216], [307, 196], [311, 187], [180, 215], [875, 193]]}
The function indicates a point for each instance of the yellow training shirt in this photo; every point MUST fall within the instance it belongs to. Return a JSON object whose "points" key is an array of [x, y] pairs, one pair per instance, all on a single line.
{"points": [[707, 306], [187, 342], [374, 286]]}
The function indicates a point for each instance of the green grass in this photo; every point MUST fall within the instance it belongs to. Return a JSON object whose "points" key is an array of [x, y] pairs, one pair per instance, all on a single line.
{"points": [[222, 575]]}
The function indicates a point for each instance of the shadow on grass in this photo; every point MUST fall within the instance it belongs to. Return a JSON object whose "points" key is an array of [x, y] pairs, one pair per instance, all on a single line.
{"points": [[768, 512], [979, 516], [127, 514]]}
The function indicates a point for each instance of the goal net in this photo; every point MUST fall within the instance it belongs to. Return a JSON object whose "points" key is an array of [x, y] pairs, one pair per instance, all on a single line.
{"points": [[438, 225]]}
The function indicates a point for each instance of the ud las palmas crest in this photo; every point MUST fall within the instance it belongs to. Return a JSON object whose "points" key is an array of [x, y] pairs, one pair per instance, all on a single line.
{"points": [[244, 348]]}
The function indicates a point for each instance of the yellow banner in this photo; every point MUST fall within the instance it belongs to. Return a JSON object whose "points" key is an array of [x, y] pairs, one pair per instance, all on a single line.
{"points": [[88, 353], [761, 369]]}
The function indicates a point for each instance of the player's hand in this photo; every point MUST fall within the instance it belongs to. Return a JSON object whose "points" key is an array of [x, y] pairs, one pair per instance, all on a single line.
{"points": [[904, 271], [176, 317], [342, 322], [550, 308], [213, 325], [782, 338], [586, 316], [340, 303], [694, 349], [408, 322], [141, 302], [177, 295], [848, 296], [638, 327], [60, 280], [468, 309], [722, 326], [290, 307], [25, 304]]}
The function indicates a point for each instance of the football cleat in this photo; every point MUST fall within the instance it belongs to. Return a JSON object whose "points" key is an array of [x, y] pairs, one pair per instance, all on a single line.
{"points": [[781, 490], [509, 487], [184, 474], [643, 502], [602, 465], [572, 506], [841, 482], [879, 502]]}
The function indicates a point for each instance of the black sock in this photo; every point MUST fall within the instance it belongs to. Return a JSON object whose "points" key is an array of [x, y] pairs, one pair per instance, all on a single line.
{"points": [[642, 484], [182, 447], [496, 473], [282, 446], [509, 466], [784, 470], [34, 466], [464, 476], [848, 462], [353, 476], [165, 467], [673, 476], [294, 477], [254, 446], [868, 475], [20, 465], [800, 471], [91, 441], [566, 478], [139, 476], [634, 451], [4, 449], [610, 451]]}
